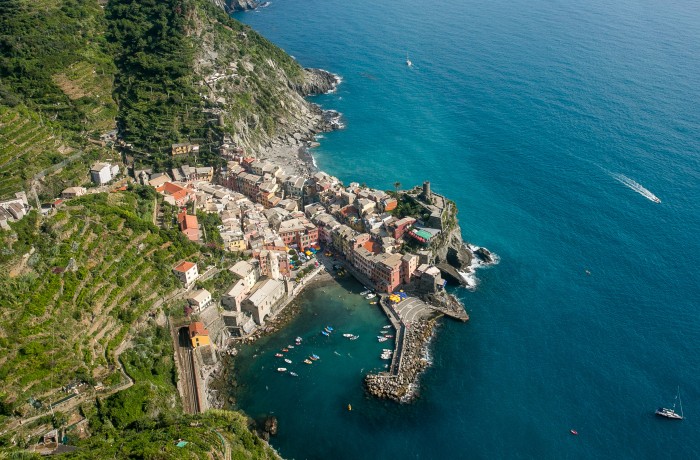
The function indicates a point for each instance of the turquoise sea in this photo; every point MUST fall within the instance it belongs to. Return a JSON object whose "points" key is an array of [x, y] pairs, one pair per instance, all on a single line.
{"points": [[526, 113]]}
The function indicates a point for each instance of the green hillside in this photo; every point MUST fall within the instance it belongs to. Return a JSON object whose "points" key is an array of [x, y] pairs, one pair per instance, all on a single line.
{"points": [[56, 74], [77, 282]]}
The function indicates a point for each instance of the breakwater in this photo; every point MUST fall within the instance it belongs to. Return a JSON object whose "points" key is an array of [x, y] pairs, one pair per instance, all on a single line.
{"points": [[411, 353]]}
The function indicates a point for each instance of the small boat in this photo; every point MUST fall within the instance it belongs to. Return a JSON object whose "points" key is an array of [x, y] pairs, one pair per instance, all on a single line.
{"points": [[308, 361], [288, 361], [383, 339], [349, 407], [365, 292], [285, 350], [371, 295], [281, 369], [290, 346], [298, 340], [671, 413], [388, 336], [279, 355], [354, 337], [574, 432], [347, 336], [385, 349], [387, 326], [408, 61], [314, 357], [373, 303], [330, 329], [294, 374], [380, 336], [325, 333]]}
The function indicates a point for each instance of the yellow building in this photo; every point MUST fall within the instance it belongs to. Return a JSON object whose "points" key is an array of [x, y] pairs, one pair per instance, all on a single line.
{"points": [[198, 335]]}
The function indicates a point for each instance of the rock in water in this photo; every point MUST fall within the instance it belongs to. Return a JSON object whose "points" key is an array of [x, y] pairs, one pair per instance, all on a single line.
{"points": [[271, 425], [484, 255]]}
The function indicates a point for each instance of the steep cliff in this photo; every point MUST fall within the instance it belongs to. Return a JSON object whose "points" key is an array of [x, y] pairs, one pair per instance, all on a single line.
{"points": [[254, 89]]}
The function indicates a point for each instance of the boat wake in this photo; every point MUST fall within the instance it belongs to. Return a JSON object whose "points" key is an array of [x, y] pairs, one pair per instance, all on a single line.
{"points": [[637, 187]]}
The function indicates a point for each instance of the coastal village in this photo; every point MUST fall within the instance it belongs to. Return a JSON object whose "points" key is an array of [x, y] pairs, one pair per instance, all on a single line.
{"points": [[288, 228]]}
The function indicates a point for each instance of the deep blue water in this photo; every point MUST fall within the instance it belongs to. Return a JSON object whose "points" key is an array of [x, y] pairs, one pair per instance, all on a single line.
{"points": [[522, 112]]}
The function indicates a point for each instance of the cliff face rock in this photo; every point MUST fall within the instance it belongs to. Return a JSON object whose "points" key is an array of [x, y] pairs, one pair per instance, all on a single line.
{"points": [[254, 90], [240, 5], [317, 81], [452, 250]]}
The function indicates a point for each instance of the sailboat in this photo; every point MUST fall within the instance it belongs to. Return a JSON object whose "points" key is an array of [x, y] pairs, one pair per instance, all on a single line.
{"points": [[671, 413], [408, 61]]}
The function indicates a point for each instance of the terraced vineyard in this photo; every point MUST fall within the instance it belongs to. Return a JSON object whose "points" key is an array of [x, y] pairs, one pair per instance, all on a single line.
{"points": [[27, 146], [97, 266], [91, 86]]}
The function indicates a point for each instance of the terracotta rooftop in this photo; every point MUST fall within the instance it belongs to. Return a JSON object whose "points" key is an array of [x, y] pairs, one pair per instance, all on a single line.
{"points": [[184, 266], [197, 328]]}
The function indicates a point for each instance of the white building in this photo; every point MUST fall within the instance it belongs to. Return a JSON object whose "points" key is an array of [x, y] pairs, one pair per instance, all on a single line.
{"points": [[199, 300], [186, 272], [266, 294], [247, 272], [103, 173]]}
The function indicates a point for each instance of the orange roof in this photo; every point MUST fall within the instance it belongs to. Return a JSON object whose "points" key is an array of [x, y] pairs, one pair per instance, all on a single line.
{"points": [[179, 194], [197, 328], [184, 266], [169, 188], [189, 222], [390, 204], [371, 246]]}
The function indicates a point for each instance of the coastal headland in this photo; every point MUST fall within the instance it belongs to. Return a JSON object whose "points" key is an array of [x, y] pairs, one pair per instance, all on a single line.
{"points": [[398, 244]]}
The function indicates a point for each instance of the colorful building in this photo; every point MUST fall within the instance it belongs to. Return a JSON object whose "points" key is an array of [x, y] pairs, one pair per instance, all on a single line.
{"points": [[199, 336]]}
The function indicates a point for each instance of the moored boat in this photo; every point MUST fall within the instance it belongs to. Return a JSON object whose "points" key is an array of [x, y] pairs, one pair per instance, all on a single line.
{"points": [[382, 339], [387, 326], [285, 350], [279, 355], [347, 336], [294, 374], [325, 333], [288, 361], [371, 295], [308, 361], [281, 369], [354, 337]]}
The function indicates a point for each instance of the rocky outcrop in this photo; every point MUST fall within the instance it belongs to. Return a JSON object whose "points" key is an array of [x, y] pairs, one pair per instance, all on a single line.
{"points": [[450, 249], [318, 81], [241, 5]]}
